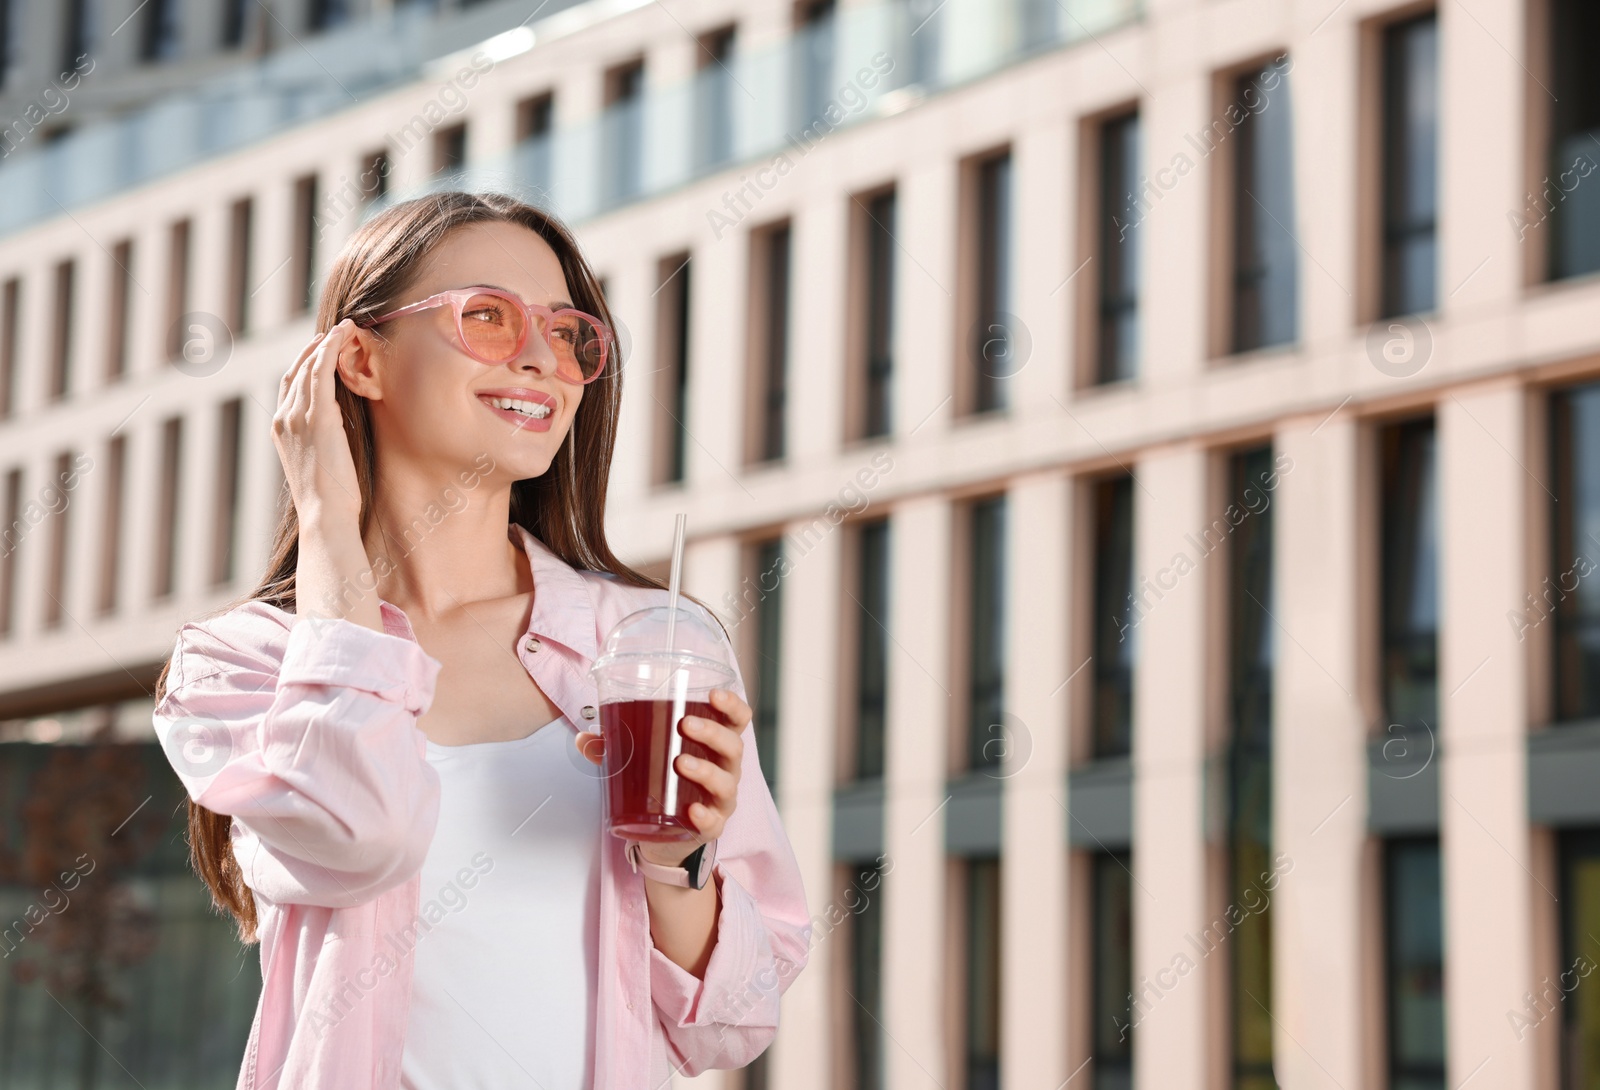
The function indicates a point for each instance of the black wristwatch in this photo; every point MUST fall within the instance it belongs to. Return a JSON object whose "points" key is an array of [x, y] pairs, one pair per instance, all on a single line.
{"points": [[693, 873]]}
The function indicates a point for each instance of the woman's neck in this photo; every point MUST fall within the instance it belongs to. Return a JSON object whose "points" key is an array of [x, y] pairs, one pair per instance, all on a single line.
{"points": [[434, 550]]}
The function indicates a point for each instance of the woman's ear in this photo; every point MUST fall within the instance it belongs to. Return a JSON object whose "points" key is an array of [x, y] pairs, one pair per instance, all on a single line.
{"points": [[361, 364]]}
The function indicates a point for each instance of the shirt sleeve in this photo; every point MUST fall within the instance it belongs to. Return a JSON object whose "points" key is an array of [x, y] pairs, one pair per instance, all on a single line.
{"points": [[312, 749], [763, 937]]}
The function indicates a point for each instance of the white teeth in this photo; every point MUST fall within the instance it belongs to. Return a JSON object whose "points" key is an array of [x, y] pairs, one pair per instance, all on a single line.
{"points": [[535, 409]]}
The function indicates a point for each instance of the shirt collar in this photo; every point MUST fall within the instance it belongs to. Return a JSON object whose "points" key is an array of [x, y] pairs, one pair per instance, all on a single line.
{"points": [[562, 608]]}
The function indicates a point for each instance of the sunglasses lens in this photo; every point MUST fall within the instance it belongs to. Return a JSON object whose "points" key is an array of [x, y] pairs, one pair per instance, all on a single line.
{"points": [[579, 345], [492, 327]]}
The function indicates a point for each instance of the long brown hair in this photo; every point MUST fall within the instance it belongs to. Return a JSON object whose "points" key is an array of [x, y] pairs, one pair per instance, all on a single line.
{"points": [[564, 508]]}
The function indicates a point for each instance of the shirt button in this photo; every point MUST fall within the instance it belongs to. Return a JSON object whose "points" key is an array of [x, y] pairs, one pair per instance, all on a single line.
{"points": [[588, 711], [532, 644], [630, 1004]]}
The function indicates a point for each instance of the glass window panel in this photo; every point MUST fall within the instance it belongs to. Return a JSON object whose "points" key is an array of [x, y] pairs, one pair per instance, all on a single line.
{"points": [[1410, 140], [1571, 591], [1572, 191], [1410, 576], [983, 974], [1414, 952], [1115, 632], [866, 977], [986, 647], [872, 647], [1264, 246], [1112, 1015], [769, 658], [1119, 249]]}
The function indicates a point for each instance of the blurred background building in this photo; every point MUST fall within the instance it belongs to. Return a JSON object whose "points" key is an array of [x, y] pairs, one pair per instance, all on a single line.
{"points": [[1148, 454]]}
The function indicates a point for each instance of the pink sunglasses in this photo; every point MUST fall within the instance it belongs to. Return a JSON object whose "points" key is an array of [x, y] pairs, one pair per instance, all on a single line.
{"points": [[493, 326]]}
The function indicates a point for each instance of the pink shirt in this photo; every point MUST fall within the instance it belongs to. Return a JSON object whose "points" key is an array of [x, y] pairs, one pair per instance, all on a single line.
{"points": [[304, 730]]}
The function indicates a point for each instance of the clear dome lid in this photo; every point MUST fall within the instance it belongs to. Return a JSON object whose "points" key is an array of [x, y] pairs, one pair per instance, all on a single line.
{"points": [[636, 662]]}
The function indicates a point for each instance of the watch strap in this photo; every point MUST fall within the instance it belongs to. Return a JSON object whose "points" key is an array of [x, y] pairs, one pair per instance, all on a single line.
{"points": [[692, 873]]}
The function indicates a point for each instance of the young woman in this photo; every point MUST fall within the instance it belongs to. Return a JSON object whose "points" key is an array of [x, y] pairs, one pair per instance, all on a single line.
{"points": [[390, 746]]}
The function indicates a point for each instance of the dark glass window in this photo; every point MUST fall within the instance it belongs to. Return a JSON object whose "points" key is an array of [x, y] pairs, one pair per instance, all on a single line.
{"points": [[1414, 963], [450, 150], [323, 14], [1573, 584], [306, 199], [673, 396], [1264, 258], [1571, 191], [225, 509], [1038, 24], [1579, 852], [1410, 576], [993, 348], [872, 647], [240, 229], [1114, 619], [1119, 250], [1251, 653], [622, 132], [62, 335], [1111, 998], [1410, 160], [775, 362], [880, 213], [535, 134], [81, 31], [983, 974], [866, 975], [986, 652], [769, 656], [160, 39], [813, 65], [714, 100], [234, 21]]}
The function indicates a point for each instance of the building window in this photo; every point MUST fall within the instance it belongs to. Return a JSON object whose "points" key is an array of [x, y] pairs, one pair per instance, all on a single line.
{"points": [[672, 377], [225, 510], [871, 675], [769, 656], [875, 219], [622, 132], [450, 153], [535, 135], [1575, 551], [1410, 575], [55, 581], [235, 21], [111, 526], [1414, 963], [769, 285], [992, 346], [177, 288], [167, 507], [1251, 654], [323, 14], [81, 31], [239, 239], [1111, 986], [1579, 854], [1410, 158], [986, 653], [10, 538], [714, 99], [161, 39], [1117, 357], [61, 336], [814, 46], [1574, 136], [983, 986], [866, 976], [375, 177], [1114, 625], [1264, 259], [304, 265], [10, 315], [1038, 25], [119, 310], [918, 29]]}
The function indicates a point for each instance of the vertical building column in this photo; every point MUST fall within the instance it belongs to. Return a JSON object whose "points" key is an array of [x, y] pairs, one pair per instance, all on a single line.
{"points": [[197, 491], [1170, 217], [925, 302], [1044, 158], [1487, 880], [1034, 973], [815, 410], [807, 734], [919, 706], [1169, 999], [1320, 748]]}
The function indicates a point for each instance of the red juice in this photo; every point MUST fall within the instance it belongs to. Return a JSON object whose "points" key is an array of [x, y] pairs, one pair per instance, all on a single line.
{"points": [[646, 798]]}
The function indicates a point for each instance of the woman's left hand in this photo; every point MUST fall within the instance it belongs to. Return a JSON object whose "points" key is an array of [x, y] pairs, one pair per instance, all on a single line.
{"points": [[719, 777]]}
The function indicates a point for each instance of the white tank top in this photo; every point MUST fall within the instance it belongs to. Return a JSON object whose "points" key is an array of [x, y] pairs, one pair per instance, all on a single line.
{"points": [[506, 959]]}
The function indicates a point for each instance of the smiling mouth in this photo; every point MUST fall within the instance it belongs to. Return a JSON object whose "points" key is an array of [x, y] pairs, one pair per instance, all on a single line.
{"points": [[533, 409]]}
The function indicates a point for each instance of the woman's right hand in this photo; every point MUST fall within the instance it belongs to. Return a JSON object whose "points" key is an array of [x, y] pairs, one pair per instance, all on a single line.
{"points": [[308, 430]]}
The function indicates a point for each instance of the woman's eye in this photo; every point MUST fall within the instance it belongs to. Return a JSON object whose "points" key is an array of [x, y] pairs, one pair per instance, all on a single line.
{"points": [[485, 314]]}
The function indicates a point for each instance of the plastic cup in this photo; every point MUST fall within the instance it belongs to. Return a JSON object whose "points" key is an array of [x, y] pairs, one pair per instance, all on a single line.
{"points": [[647, 685]]}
